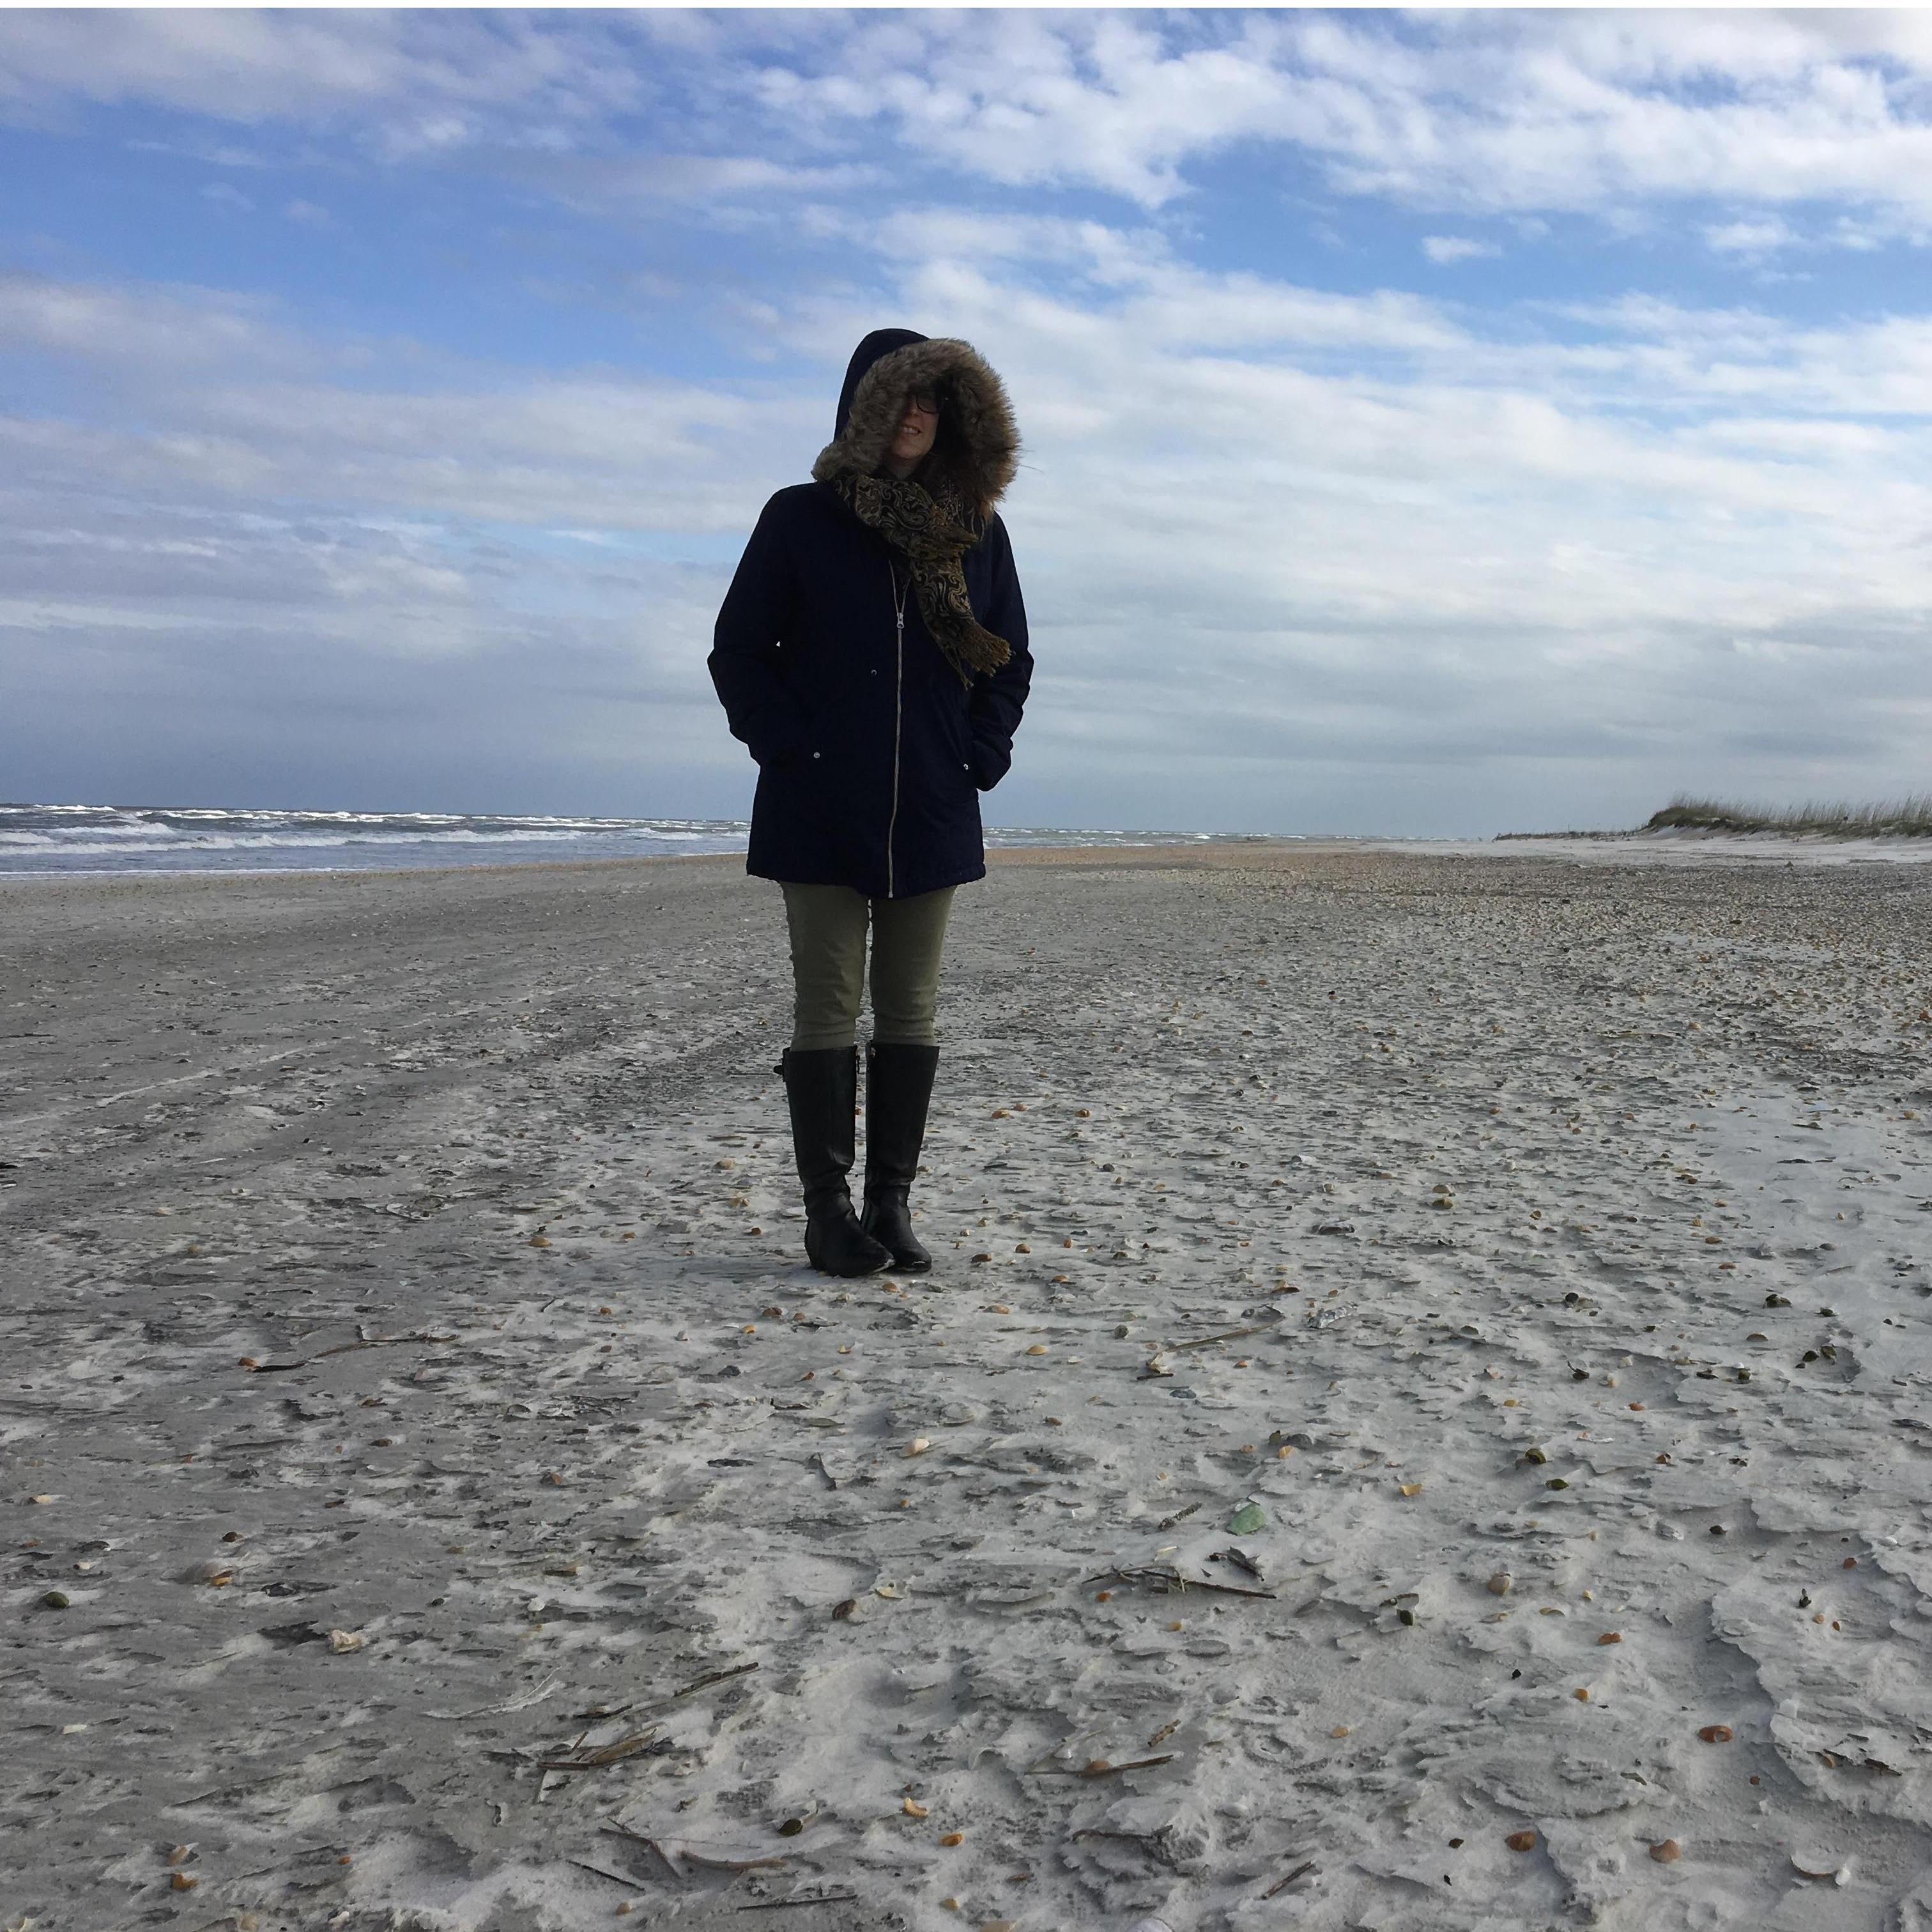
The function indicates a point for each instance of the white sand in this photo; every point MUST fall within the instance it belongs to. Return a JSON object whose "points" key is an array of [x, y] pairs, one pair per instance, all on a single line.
{"points": [[317, 1123]]}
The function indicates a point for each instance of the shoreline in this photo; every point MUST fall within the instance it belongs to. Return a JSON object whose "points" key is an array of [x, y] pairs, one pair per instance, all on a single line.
{"points": [[1640, 848]]}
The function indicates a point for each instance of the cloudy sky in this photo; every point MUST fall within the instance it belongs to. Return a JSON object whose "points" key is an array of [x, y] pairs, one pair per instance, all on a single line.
{"points": [[1433, 423]]}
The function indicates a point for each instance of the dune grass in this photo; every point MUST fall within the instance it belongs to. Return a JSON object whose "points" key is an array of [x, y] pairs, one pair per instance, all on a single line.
{"points": [[1907, 818], [1910, 818]]}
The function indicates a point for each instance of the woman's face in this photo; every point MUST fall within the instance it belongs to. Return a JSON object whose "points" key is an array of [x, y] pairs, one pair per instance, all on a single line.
{"points": [[919, 425]]}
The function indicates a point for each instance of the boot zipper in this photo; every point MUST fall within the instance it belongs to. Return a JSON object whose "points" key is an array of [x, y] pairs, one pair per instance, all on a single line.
{"points": [[898, 710]]}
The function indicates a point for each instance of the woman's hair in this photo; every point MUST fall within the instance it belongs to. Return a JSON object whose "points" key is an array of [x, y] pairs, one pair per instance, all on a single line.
{"points": [[949, 446]]}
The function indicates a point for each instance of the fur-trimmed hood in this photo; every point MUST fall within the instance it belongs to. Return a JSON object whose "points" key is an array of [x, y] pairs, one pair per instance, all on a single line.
{"points": [[979, 443]]}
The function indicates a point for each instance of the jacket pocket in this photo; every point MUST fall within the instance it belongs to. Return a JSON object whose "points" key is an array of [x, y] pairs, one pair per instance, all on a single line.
{"points": [[956, 728], [989, 762]]}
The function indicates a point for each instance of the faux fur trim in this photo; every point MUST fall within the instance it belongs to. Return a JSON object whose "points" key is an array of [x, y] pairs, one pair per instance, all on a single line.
{"points": [[986, 453]]}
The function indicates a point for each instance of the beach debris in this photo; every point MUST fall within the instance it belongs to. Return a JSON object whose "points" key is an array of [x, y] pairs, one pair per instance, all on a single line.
{"points": [[1334, 1227], [918, 1446], [1155, 1366], [624, 1907], [1666, 1851], [1179, 1842], [671, 1851], [596, 1757], [1814, 1861], [1226, 1335], [57, 1600], [810, 1895], [1500, 1584], [912, 1807], [522, 1701], [1240, 1558], [1327, 1315], [1101, 1767], [1716, 1734], [1245, 1520], [1162, 1577], [841, 1611], [341, 1641], [1281, 1885], [1410, 1488], [1521, 1841]]}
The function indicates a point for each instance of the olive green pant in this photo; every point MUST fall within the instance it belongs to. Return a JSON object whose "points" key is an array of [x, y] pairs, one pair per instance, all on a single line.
{"points": [[828, 964]]}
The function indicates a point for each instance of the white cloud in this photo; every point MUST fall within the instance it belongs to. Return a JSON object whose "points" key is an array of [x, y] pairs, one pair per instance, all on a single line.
{"points": [[421, 80], [1494, 113], [609, 182], [1517, 114], [1749, 239], [1278, 545], [1447, 248]]}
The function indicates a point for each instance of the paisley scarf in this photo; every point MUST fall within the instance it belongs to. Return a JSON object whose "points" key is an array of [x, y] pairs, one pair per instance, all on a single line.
{"points": [[932, 525]]}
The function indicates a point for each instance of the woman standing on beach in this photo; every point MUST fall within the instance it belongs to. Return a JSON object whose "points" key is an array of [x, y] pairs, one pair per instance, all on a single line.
{"points": [[871, 652]]}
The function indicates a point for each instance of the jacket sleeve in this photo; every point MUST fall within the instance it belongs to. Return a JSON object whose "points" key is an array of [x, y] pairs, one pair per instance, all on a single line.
{"points": [[746, 662], [998, 698]]}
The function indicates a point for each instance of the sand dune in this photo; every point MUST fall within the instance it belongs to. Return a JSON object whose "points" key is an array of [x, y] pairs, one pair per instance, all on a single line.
{"points": [[1421, 1418]]}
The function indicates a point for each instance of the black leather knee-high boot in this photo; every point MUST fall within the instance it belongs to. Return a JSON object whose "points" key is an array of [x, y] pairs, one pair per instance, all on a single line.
{"points": [[899, 1084], [822, 1086]]}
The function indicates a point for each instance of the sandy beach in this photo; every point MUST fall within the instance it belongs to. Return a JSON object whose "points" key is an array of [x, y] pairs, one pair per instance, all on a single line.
{"points": [[1420, 1419]]}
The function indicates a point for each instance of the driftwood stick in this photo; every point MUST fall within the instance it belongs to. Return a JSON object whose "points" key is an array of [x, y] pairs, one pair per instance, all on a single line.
{"points": [[805, 1898], [706, 1683], [616, 1878], [1282, 1885], [689, 1690], [1100, 1768], [1169, 1578], [1226, 1335], [599, 1756]]}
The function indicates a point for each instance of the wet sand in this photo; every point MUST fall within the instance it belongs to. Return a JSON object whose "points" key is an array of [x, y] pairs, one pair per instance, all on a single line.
{"points": [[1382, 1296]]}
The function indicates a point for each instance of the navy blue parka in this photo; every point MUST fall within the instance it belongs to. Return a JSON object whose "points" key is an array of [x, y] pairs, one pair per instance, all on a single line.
{"points": [[871, 752]]}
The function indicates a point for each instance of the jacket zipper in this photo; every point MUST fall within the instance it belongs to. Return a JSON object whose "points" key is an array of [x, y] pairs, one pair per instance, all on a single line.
{"points": [[899, 711]]}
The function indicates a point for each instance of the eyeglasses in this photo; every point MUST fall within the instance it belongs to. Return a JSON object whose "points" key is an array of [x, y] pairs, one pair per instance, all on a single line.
{"points": [[926, 401]]}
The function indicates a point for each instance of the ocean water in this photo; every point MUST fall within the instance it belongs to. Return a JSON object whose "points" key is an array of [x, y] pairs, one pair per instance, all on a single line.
{"points": [[44, 839]]}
